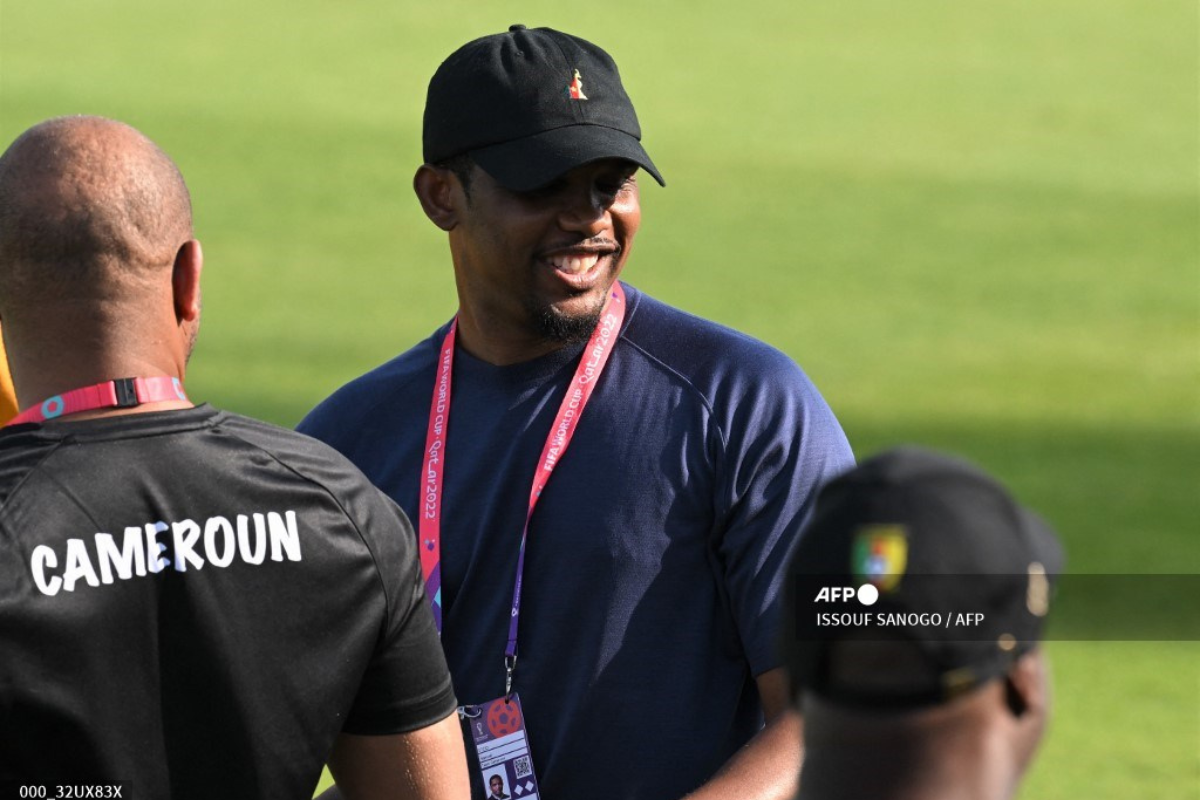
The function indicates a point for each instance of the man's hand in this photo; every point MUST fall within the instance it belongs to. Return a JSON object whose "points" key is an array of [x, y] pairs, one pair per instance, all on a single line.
{"points": [[426, 764], [768, 768]]}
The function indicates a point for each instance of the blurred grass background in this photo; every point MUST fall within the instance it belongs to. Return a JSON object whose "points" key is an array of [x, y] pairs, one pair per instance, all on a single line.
{"points": [[974, 224]]}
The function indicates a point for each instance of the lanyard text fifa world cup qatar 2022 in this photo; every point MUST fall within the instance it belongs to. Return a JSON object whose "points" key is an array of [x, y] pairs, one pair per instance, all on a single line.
{"points": [[497, 727]]}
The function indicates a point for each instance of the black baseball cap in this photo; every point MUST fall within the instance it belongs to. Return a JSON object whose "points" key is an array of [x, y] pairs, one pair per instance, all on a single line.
{"points": [[932, 534], [529, 105]]}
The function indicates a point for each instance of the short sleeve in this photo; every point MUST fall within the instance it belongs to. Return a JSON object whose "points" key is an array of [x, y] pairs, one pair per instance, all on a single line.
{"points": [[406, 685], [781, 443]]}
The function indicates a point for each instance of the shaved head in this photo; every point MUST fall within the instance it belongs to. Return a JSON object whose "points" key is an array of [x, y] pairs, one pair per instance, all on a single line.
{"points": [[88, 207], [99, 273]]}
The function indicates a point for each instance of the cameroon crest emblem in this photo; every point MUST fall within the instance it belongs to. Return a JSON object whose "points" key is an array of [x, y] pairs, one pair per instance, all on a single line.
{"points": [[880, 555]]}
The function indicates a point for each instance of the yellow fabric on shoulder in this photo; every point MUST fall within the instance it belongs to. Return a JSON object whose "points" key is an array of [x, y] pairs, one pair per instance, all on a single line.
{"points": [[8, 398]]}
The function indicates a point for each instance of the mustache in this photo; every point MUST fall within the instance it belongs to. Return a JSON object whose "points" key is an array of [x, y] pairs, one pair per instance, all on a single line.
{"points": [[601, 245]]}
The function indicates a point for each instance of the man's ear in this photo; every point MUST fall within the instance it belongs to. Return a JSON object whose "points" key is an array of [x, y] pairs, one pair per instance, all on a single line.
{"points": [[438, 190], [185, 281], [1026, 687]]}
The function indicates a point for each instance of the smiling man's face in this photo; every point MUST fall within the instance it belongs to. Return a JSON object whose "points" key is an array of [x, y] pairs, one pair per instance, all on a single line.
{"points": [[539, 264]]}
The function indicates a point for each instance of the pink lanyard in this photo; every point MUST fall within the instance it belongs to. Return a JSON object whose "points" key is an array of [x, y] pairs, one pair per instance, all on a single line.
{"points": [[595, 357], [121, 393]]}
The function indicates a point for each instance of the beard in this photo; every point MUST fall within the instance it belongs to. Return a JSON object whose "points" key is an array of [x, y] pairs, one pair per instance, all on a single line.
{"points": [[555, 326]]}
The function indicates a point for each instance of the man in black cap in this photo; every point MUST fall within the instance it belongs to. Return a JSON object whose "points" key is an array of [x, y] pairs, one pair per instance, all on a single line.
{"points": [[914, 611], [607, 488]]}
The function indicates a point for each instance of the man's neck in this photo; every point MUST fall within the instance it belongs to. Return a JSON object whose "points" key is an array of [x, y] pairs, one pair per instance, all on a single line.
{"points": [[880, 777], [143, 408], [955, 751], [913, 769], [35, 386], [499, 349]]}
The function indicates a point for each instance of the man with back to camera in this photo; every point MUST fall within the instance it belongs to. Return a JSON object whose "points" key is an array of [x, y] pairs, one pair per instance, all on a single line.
{"points": [[952, 707], [193, 601], [663, 463]]}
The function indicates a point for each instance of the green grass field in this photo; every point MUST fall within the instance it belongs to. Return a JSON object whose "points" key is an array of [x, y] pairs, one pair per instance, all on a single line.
{"points": [[974, 224]]}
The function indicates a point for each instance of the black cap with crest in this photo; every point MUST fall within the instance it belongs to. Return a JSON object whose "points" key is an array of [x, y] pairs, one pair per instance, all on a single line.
{"points": [[530, 105]]}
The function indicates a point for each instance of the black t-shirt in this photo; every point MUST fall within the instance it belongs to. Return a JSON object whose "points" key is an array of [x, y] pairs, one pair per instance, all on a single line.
{"points": [[194, 603]]}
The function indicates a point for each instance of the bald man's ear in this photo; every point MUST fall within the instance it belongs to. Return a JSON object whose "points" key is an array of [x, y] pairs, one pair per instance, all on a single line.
{"points": [[185, 281], [440, 193]]}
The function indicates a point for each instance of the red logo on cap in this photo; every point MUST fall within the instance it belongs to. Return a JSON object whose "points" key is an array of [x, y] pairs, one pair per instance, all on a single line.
{"points": [[575, 89]]}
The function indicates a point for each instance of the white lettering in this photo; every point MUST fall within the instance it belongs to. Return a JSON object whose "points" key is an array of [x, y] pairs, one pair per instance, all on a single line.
{"points": [[184, 536], [79, 565], [259, 553], [284, 537], [43, 558], [154, 548], [606, 331], [211, 529], [912, 619], [100, 560], [132, 556], [851, 620], [831, 594]]}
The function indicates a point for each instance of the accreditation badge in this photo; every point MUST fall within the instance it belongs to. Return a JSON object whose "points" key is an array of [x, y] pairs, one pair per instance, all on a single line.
{"points": [[498, 731]]}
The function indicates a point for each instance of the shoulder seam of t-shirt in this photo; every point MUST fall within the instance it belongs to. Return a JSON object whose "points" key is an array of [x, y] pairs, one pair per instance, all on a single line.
{"points": [[722, 437], [58, 440], [388, 599], [704, 399], [667, 367], [20, 484]]}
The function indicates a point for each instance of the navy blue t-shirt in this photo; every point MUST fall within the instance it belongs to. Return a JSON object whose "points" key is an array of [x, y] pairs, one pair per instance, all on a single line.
{"points": [[655, 556]]}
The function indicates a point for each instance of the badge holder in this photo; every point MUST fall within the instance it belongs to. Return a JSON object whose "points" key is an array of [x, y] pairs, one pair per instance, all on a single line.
{"points": [[498, 730], [497, 727]]}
